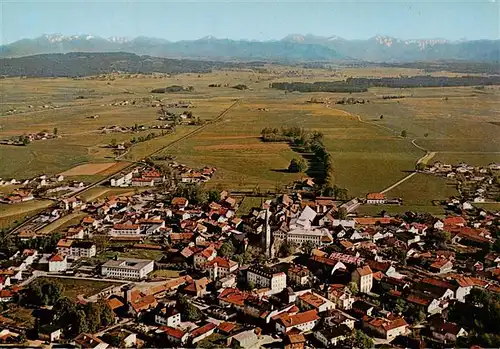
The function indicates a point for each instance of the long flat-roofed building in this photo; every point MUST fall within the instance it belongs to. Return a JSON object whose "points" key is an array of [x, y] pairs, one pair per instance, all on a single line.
{"points": [[130, 269]]}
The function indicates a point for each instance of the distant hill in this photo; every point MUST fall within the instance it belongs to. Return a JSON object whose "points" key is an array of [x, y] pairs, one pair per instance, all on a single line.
{"points": [[293, 48], [206, 48], [84, 64]]}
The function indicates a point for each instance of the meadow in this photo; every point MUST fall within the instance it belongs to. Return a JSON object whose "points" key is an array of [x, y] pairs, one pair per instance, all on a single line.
{"points": [[368, 151]]}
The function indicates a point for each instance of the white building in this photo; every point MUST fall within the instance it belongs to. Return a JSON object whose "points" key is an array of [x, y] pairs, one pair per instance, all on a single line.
{"points": [[266, 278], [85, 249], [301, 235], [221, 267], [130, 269], [168, 316], [125, 229], [123, 180], [363, 277], [58, 263]]}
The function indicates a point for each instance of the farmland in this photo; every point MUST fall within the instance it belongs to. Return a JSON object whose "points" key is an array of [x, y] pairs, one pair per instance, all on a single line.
{"points": [[369, 154]]}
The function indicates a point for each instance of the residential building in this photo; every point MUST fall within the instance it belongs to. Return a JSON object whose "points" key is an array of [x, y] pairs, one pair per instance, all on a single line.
{"points": [[266, 278], [363, 277], [58, 263], [331, 336], [304, 321], [375, 198], [385, 328], [202, 332], [311, 300], [167, 316], [220, 267], [299, 275], [175, 335]]}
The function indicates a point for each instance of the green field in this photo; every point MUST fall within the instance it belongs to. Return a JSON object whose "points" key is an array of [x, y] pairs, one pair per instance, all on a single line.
{"points": [[10, 215], [417, 193], [134, 253], [369, 155], [86, 288]]}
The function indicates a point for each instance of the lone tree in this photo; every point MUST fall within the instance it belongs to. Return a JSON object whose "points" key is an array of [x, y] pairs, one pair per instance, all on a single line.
{"points": [[297, 165], [55, 131], [404, 133], [381, 117]]}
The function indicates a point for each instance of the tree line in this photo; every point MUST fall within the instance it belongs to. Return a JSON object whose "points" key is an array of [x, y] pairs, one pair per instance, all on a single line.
{"points": [[70, 65], [319, 86], [308, 142], [362, 84], [73, 318]]}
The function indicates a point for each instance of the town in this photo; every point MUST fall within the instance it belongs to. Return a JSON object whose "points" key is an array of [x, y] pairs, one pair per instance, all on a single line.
{"points": [[176, 264]]}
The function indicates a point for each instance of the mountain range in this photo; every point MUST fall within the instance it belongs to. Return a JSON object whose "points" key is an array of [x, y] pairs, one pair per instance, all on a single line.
{"points": [[292, 48]]}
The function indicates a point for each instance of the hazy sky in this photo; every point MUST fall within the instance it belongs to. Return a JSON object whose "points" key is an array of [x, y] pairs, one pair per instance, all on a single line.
{"points": [[264, 20]]}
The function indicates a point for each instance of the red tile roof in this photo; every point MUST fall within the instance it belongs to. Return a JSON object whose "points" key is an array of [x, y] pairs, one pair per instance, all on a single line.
{"points": [[454, 220], [56, 258], [202, 330], [226, 327], [173, 332], [298, 319], [364, 271], [375, 196]]}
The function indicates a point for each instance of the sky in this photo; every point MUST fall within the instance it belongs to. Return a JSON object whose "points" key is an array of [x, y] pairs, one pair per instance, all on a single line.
{"points": [[252, 20]]}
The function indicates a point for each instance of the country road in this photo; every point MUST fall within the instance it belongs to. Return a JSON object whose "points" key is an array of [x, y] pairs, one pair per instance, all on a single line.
{"points": [[107, 178]]}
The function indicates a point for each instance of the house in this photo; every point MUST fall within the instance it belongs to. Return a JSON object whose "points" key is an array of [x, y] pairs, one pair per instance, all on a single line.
{"points": [[441, 265], [456, 221], [311, 300], [197, 288], [221, 267], [202, 332], [299, 275], [294, 340], [64, 246], [363, 277], [203, 257], [245, 339], [89, 341], [58, 263], [304, 321], [4, 281], [84, 249], [175, 335], [70, 203], [331, 336], [49, 333], [341, 296], [447, 332], [6, 296], [167, 316], [428, 304], [375, 198], [386, 328], [180, 203], [337, 317]]}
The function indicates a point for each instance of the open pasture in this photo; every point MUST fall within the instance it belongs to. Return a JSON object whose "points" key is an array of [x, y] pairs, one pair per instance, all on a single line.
{"points": [[88, 169], [364, 140]]}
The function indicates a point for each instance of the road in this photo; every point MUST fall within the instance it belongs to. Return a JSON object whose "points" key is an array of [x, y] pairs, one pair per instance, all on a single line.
{"points": [[106, 179]]}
